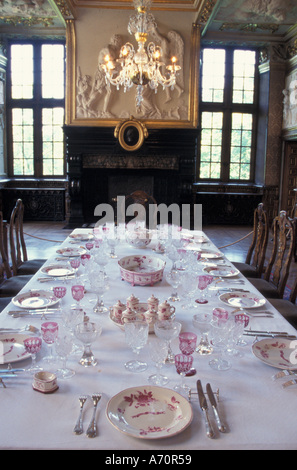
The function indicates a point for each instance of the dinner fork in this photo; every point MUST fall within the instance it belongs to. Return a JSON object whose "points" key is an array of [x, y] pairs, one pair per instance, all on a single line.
{"points": [[78, 429], [92, 429], [29, 328]]}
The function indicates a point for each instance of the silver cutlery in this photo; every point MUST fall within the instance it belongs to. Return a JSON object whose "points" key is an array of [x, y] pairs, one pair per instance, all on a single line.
{"points": [[92, 429], [49, 279], [27, 328], [284, 373], [213, 402], [78, 429], [290, 382], [272, 334], [204, 408], [23, 313]]}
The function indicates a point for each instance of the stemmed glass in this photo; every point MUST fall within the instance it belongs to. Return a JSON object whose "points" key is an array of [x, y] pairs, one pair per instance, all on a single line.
{"points": [[87, 332], [158, 353], [136, 335], [75, 264], [241, 322], [60, 292], [99, 284], [183, 364], [189, 283], [167, 330], [220, 331], [71, 317], [173, 277], [33, 346], [203, 283], [64, 347], [202, 321], [78, 293], [112, 240], [172, 253], [187, 343], [101, 257], [49, 332]]}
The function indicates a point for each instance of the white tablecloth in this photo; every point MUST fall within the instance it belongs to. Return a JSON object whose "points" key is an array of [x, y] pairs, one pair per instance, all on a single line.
{"points": [[260, 414]]}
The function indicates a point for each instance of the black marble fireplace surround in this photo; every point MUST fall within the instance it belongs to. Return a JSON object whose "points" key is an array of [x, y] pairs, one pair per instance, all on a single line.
{"points": [[99, 169]]}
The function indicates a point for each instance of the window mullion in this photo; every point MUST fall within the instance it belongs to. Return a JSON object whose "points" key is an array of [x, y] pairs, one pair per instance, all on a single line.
{"points": [[37, 112]]}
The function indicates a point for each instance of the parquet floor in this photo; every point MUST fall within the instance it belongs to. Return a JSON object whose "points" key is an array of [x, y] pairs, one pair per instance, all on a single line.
{"points": [[43, 238]]}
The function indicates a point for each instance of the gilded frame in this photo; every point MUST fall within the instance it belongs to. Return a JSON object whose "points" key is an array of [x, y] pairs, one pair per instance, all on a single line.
{"points": [[131, 134]]}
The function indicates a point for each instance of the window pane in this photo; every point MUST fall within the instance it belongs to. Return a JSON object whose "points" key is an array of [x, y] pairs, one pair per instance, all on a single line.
{"points": [[22, 137], [53, 141], [241, 146], [211, 145], [243, 76], [22, 71], [213, 75], [52, 66]]}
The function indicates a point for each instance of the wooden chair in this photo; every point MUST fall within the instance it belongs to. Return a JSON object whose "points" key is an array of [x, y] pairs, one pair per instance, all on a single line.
{"points": [[277, 271], [288, 308], [146, 201], [254, 263], [18, 252], [9, 285]]}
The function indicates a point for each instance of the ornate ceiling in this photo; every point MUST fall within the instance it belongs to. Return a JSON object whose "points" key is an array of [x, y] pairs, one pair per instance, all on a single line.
{"points": [[262, 20]]}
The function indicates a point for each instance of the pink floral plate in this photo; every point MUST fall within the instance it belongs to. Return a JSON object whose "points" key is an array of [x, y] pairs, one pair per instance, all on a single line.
{"points": [[82, 237], [12, 348], [57, 270], [149, 412], [35, 299], [277, 352], [221, 271], [70, 252], [242, 299]]}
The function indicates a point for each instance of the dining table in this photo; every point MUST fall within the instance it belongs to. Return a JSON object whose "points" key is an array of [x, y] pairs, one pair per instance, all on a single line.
{"points": [[253, 397]]}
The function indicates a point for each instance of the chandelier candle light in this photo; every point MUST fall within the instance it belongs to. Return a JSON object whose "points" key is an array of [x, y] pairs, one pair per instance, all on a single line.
{"points": [[141, 67]]}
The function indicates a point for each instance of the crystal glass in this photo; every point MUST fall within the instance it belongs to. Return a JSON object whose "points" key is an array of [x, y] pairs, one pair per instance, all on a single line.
{"points": [[202, 321], [241, 322], [172, 253], [49, 331], [33, 346], [167, 330], [60, 292], [101, 257], [78, 292], [203, 283], [219, 333], [173, 278], [64, 347], [72, 316], [87, 332], [158, 353], [187, 342], [112, 241], [75, 264], [99, 284], [189, 285], [136, 336], [183, 364]]}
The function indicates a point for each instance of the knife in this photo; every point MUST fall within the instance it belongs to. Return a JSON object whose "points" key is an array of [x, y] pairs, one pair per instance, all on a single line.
{"points": [[204, 408], [213, 402]]}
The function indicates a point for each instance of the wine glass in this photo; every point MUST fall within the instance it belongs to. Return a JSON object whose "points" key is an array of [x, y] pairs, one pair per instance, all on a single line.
{"points": [[241, 322], [219, 332], [172, 253], [189, 284], [187, 343], [136, 335], [183, 364], [112, 240], [72, 316], [101, 257], [78, 292], [33, 346], [49, 332], [203, 282], [167, 330], [87, 332], [202, 321], [173, 277], [99, 284], [64, 347], [158, 353], [75, 264], [60, 292]]}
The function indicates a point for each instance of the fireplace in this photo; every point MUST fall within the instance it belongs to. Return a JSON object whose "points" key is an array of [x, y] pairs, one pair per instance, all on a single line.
{"points": [[99, 169]]}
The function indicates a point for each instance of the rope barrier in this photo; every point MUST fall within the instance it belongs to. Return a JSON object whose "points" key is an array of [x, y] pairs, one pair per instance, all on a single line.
{"points": [[44, 239], [237, 241]]}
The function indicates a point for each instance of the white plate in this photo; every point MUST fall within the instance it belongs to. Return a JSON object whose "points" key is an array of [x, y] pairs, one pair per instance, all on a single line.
{"points": [[149, 412], [276, 352], [68, 251], [205, 254], [82, 236], [242, 299], [35, 299], [12, 348], [57, 270], [221, 271]]}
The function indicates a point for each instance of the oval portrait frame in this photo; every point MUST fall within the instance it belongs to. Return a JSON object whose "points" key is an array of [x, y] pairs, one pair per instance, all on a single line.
{"points": [[131, 135]]}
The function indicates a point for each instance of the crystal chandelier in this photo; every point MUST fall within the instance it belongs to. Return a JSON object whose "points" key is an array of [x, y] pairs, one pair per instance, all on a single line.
{"points": [[142, 66]]}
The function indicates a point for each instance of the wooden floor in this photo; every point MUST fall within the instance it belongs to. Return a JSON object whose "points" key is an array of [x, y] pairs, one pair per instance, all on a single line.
{"points": [[43, 238]]}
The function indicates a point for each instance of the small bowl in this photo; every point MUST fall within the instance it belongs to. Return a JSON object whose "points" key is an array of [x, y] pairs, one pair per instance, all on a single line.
{"points": [[141, 270], [45, 382], [139, 238]]}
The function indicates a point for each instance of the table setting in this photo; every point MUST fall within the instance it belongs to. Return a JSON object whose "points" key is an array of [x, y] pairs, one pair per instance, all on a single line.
{"points": [[145, 345]]}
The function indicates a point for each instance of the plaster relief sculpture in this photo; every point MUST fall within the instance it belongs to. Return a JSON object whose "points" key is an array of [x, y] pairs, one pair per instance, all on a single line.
{"points": [[257, 10], [290, 103]]}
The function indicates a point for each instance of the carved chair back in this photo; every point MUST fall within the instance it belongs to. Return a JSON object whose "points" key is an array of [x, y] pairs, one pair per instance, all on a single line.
{"points": [[257, 250], [18, 251]]}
